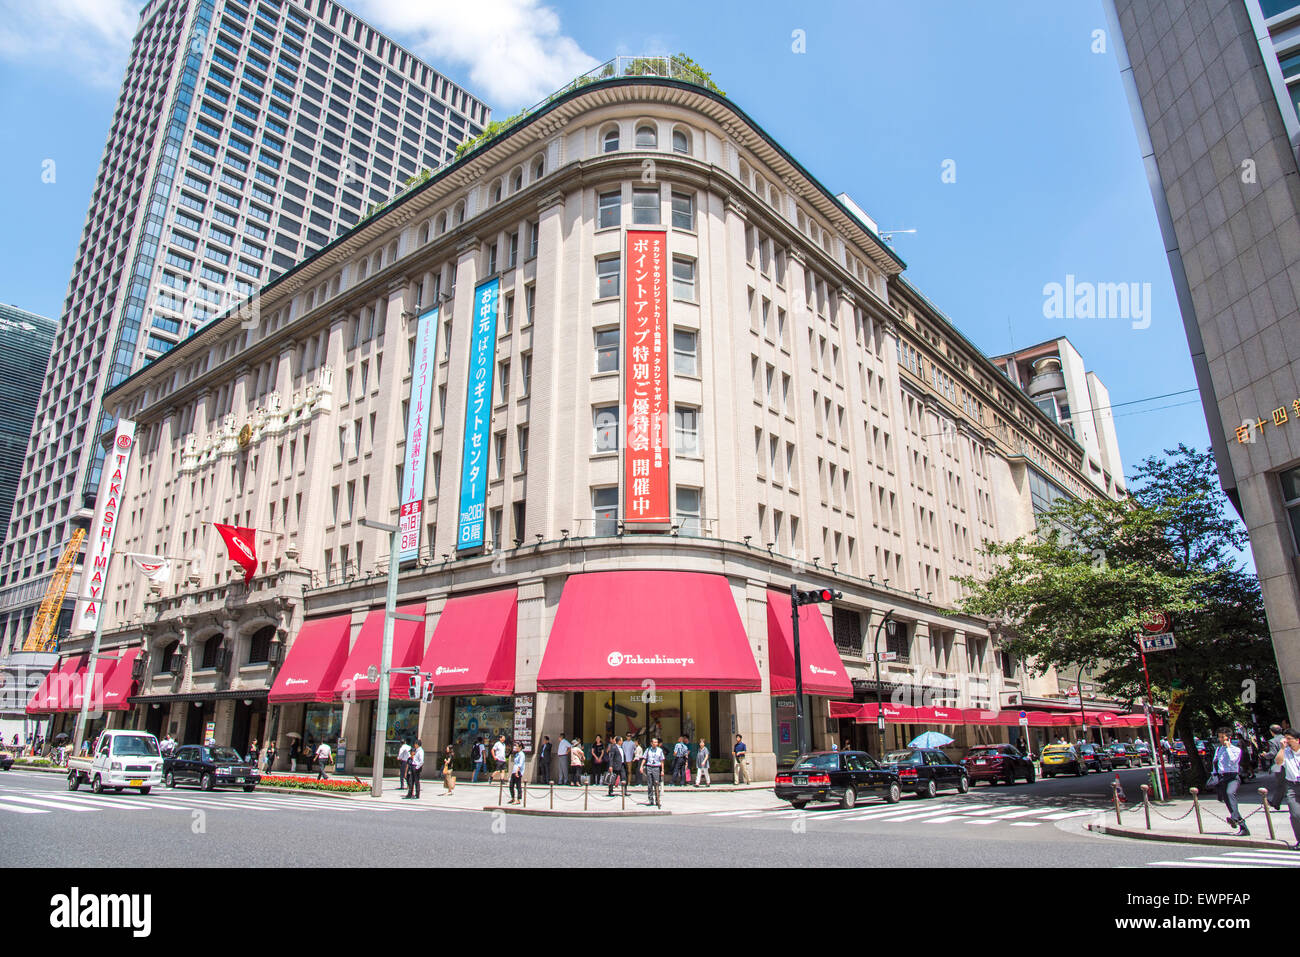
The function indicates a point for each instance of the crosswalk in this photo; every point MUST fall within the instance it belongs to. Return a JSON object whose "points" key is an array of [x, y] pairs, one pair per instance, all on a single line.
{"points": [[24, 801], [973, 814], [1237, 859]]}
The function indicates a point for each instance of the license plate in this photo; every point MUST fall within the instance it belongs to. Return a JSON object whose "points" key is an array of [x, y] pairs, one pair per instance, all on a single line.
{"points": [[981, 762], [134, 783], [801, 780]]}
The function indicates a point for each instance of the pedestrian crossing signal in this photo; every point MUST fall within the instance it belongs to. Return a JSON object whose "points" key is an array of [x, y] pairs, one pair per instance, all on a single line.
{"points": [[417, 684], [428, 692]]}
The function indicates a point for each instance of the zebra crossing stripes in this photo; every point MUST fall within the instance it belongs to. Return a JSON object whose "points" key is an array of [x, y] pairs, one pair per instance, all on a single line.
{"points": [[972, 814], [1237, 859], [35, 801]]}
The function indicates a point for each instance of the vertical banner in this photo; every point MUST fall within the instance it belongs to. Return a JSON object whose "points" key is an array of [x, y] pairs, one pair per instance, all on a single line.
{"points": [[478, 417], [417, 430], [645, 460], [99, 545]]}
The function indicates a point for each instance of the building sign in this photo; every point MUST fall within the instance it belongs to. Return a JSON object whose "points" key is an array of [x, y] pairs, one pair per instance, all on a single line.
{"points": [[1163, 642], [99, 546], [478, 417], [1279, 417], [417, 432], [645, 460], [525, 721]]}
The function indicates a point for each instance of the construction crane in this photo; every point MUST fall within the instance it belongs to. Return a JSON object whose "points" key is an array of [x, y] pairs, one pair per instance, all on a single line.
{"points": [[41, 637]]}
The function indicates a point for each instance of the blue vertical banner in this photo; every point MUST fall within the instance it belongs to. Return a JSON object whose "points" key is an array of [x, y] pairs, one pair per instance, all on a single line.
{"points": [[417, 434], [478, 417]]}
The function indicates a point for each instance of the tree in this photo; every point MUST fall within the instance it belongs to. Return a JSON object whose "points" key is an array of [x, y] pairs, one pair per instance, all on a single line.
{"points": [[1080, 588]]}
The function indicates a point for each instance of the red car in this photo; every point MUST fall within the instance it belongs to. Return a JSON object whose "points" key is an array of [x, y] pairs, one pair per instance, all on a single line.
{"points": [[998, 762]]}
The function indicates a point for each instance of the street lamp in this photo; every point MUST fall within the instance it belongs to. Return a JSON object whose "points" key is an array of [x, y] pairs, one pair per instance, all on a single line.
{"points": [[385, 656], [880, 708]]}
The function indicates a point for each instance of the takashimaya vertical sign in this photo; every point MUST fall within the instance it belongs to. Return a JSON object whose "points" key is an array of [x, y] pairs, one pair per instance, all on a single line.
{"points": [[478, 417], [417, 433], [99, 545], [645, 459]]}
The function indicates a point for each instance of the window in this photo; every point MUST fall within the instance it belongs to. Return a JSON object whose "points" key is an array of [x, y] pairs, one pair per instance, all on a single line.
{"points": [[1290, 480], [259, 646], [688, 510], [492, 259], [684, 279], [606, 350], [645, 207], [685, 352], [605, 420], [607, 277], [523, 458], [604, 508], [686, 423], [533, 230], [210, 649], [683, 211], [610, 210], [609, 142], [681, 141], [525, 372]]}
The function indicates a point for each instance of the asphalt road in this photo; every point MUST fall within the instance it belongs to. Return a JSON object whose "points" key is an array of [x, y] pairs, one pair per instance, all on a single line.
{"points": [[1039, 825]]}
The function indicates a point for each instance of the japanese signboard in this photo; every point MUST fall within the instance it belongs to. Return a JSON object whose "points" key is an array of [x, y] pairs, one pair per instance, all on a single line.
{"points": [[99, 545], [417, 434], [645, 461], [478, 417], [525, 711], [1249, 430], [1163, 642]]}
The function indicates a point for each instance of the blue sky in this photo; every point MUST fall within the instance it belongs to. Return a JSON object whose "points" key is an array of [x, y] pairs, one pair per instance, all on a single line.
{"points": [[1049, 181]]}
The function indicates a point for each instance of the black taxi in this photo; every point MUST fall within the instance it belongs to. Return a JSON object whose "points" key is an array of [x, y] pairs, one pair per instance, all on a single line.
{"points": [[841, 776]]}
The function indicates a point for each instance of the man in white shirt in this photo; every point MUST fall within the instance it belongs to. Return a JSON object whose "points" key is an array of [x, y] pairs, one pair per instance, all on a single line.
{"points": [[516, 773], [652, 765], [403, 760], [323, 757], [1288, 763], [499, 756], [562, 759], [413, 771], [1227, 764]]}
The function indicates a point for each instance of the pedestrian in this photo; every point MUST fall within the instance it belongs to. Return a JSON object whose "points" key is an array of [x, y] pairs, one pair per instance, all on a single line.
{"points": [[544, 761], [478, 757], [628, 748], [403, 763], [168, 746], [499, 758], [252, 754], [681, 751], [638, 756], [324, 755], [1227, 760], [562, 759], [295, 752], [448, 772], [598, 760], [740, 753], [414, 767], [269, 757], [616, 764], [652, 765], [702, 765], [1277, 780], [517, 774], [1288, 759], [577, 758]]}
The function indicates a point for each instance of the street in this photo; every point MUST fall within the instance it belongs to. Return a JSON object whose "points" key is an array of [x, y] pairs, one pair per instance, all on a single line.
{"points": [[1038, 825]]}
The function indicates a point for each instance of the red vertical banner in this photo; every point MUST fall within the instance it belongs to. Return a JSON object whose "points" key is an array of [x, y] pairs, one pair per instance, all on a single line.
{"points": [[645, 347]]}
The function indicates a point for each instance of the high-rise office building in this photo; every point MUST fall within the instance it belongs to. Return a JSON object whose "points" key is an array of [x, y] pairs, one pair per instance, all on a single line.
{"points": [[25, 341], [1213, 88], [247, 136]]}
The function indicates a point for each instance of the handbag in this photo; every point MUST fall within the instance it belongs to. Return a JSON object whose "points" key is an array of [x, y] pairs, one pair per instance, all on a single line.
{"points": [[1212, 781]]}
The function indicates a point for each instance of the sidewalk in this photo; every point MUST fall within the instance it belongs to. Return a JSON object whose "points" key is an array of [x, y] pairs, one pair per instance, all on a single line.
{"points": [[1175, 821]]}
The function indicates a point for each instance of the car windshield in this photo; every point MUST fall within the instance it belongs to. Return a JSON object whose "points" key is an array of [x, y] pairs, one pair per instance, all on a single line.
{"points": [[985, 753], [818, 762], [903, 757], [226, 755], [134, 745], [1056, 748]]}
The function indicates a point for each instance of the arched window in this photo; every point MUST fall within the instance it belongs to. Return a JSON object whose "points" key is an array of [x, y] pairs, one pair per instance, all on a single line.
{"points": [[210, 649], [377, 261], [494, 195], [167, 658], [392, 251], [609, 140], [441, 226], [681, 141], [647, 138], [259, 646], [539, 168], [516, 181], [423, 236], [459, 215]]}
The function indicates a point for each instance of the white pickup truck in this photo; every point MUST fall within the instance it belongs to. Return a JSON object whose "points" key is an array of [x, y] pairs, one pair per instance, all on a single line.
{"points": [[122, 759]]}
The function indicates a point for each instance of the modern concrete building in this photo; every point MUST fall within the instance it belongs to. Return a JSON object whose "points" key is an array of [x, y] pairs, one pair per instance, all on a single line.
{"points": [[1054, 376], [1213, 89], [645, 409], [248, 134]]}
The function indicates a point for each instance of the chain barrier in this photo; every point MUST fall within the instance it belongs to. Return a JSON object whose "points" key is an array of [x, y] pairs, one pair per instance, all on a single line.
{"points": [[1168, 818]]}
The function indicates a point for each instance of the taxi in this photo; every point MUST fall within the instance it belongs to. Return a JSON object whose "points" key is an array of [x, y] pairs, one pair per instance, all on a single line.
{"points": [[1061, 759]]}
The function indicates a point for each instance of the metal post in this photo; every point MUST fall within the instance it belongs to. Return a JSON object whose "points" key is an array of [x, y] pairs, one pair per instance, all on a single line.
{"points": [[1082, 714], [1146, 803], [1155, 751], [82, 716], [501, 788], [1114, 791], [880, 708], [798, 674], [1263, 792], [385, 657], [525, 787], [552, 795], [1196, 806], [585, 789]]}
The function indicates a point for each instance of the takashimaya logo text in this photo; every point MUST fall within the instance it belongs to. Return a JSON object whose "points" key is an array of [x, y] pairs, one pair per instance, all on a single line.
{"points": [[443, 670], [295, 681], [820, 671], [76, 910], [616, 659]]}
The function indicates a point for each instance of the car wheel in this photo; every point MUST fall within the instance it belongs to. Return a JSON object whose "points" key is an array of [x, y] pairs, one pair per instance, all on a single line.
{"points": [[96, 785], [248, 787], [118, 790], [930, 789], [1011, 777], [207, 782], [1031, 776], [1080, 770], [146, 789], [894, 794], [74, 782], [963, 785], [798, 803], [849, 798], [170, 780]]}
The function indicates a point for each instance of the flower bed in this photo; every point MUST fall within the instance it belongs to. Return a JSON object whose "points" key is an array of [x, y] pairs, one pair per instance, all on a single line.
{"points": [[35, 762], [312, 784]]}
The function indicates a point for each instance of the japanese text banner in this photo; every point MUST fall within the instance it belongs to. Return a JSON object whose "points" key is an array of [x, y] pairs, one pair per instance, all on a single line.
{"points": [[99, 545], [417, 434], [478, 416], [645, 460]]}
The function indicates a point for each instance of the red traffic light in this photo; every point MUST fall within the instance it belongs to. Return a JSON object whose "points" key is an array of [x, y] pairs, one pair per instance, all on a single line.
{"points": [[826, 594], [817, 597]]}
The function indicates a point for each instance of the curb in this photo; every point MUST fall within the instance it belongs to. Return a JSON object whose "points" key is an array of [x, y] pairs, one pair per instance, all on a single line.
{"points": [[33, 767], [534, 812], [1210, 840]]}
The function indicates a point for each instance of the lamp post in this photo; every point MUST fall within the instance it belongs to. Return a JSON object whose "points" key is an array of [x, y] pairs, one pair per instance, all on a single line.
{"points": [[1082, 714], [880, 708], [385, 656]]}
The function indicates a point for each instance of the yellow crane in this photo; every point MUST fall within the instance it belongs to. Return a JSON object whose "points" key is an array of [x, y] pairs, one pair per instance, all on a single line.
{"points": [[41, 637]]}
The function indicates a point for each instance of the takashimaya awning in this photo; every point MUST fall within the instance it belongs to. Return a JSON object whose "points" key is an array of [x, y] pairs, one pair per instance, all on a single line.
{"points": [[60, 686], [823, 671], [311, 670], [473, 646], [408, 646], [119, 684], [616, 630]]}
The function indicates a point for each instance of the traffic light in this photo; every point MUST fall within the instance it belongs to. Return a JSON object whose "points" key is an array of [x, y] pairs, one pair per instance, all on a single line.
{"points": [[428, 690], [416, 685], [817, 597]]}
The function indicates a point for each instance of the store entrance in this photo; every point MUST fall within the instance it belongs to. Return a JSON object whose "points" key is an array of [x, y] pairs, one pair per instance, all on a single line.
{"points": [[644, 714]]}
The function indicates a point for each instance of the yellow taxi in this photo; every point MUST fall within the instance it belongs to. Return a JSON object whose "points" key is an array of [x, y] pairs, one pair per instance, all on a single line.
{"points": [[1061, 759], [6, 759]]}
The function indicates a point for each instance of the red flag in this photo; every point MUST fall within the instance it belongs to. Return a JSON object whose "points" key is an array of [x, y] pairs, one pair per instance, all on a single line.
{"points": [[241, 544]]}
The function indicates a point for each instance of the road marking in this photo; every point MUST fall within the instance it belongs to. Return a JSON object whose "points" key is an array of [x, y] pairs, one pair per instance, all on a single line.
{"points": [[1029, 813], [1064, 814], [1192, 863], [51, 804], [1025, 823], [997, 810], [19, 809], [1261, 857]]}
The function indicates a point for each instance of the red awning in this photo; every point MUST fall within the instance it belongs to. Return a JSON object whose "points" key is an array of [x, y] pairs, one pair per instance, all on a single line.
{"points": [[894, 714], [408, 645], [118, 683], [473, 646], [980, 716], [938, 716], [60, 685], [316, 657], [823, 672], [681, 630], [845, 709]]}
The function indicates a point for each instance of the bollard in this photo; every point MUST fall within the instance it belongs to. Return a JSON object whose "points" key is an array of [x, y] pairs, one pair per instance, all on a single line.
{"points": [[1114, 790], [1196, 804], [1146, 803], [1263, 792], [501, 787], [552, 795], [585, 789], [525, 794], [624, 797]]}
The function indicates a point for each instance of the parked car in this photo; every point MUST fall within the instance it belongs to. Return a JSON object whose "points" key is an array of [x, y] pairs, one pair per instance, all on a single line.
{"points": [[1094, 756], [837, 776], [998, 762], [1061, 759], [1121, 755], [209, 767], [1143, 754], [6, 759], [926, 771], [122, 759]]}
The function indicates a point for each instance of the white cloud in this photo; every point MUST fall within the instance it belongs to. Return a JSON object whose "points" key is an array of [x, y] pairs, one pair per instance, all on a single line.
{"points": [[91, 38], [514, 49]]}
